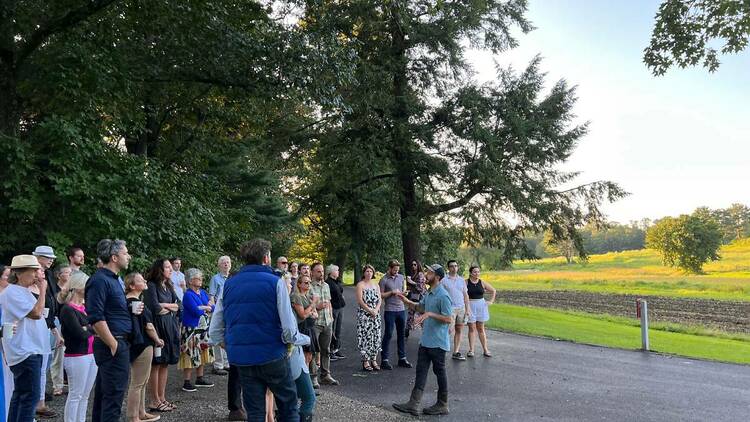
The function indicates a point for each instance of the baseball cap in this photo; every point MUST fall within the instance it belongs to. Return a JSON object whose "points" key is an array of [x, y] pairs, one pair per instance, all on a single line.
{"points": [[437, 269]]}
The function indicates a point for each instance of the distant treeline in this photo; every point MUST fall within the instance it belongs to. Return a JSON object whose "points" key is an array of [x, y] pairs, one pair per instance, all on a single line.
{"points": [[733, 222]]}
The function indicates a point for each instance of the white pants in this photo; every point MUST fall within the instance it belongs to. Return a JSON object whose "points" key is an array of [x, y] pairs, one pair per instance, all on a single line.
{"points": [[81, 376], [43, 380], [220, 358]]}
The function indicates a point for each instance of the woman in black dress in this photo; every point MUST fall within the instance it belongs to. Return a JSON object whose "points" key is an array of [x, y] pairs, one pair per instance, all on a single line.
{"points": [[161, 300]]}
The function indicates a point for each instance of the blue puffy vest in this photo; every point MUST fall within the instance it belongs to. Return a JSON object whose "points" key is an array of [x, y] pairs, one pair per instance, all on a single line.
{"points": [[252, 325]]}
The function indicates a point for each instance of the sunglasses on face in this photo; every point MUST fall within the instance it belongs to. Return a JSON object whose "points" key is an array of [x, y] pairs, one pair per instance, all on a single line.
{"points": [[304, 282]]}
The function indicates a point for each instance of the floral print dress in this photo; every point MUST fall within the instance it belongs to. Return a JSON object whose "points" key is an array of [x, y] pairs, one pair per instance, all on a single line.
{"points": [[368, 326]]}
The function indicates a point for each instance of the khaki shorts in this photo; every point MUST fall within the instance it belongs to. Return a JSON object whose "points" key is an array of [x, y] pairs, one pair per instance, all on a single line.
{"points": [[459, 316]]}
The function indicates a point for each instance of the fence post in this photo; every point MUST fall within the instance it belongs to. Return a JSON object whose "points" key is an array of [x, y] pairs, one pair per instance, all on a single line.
{"points": [[644, 324]]}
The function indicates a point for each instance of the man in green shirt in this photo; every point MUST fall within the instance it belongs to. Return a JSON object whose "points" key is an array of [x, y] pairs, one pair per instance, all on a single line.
{"points": [[323, 328]]}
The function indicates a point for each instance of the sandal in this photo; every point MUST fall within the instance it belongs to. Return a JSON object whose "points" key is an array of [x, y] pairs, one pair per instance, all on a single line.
{"points": [[366, 366], [161, 407], [487, 354], [375, 366], [171, 405], [57, 393]]}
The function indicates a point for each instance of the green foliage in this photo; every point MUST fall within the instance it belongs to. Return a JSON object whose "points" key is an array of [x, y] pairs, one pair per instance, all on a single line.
{"points": [[687, 242], [564, 247], [688, 33]]}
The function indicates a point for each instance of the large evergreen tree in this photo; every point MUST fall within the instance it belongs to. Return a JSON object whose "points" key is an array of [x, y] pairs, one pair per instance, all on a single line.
{"points": [[446, 144]]}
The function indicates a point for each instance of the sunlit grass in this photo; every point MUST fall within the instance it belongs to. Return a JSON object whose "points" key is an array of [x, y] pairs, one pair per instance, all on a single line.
{"points": [[634, 272], [624, 333]]}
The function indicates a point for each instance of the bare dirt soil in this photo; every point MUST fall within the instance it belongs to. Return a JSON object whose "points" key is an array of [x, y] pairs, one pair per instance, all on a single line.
{"points": [[723, 315]]}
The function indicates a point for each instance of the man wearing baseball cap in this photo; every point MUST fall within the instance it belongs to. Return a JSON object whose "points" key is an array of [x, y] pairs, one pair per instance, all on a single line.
{"points": [[436, 310]]}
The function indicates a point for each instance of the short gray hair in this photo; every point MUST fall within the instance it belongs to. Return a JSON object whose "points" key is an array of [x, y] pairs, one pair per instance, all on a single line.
{"points": [[108, 247], [60, 269], [331, 268], [224, 258], [193, 273]]}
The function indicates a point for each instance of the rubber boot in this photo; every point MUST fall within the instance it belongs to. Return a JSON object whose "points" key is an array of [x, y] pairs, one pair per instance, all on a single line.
{"points": [[412, 406], [439, 408]]}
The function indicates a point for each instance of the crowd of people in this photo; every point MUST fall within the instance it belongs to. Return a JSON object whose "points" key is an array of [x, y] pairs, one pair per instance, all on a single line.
{"points": [[273, 331]]}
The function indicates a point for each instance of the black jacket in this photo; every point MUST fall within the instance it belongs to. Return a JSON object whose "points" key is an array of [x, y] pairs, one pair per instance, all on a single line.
{"points": [[337, 293], [75, 329], [50, 299]]}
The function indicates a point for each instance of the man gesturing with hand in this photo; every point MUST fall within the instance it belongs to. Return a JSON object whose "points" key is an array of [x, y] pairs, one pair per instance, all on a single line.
{"points": [[436, 309]]}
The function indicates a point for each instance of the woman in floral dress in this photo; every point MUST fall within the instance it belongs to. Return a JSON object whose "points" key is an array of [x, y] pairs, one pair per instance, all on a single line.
{"points": [[368, 320]]}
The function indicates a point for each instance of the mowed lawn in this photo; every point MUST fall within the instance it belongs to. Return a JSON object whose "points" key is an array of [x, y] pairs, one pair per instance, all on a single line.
{"points": [[634, 272], [615, 332]]}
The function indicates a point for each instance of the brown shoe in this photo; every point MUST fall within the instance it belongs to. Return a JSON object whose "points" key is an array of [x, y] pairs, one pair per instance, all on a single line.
{"points": [[237, 415], [328, 380], [46, 413]]}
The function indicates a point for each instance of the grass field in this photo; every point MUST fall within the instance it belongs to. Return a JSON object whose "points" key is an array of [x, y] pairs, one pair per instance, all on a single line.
{"points": [[634, 272], [617, 332]]}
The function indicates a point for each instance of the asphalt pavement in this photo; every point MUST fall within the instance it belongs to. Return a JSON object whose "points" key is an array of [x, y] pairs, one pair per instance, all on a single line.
{"points": [[532, 378]]}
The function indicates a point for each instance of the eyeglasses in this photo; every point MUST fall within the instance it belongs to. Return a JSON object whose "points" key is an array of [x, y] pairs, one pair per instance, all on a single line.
{"points": [[283, 262]]}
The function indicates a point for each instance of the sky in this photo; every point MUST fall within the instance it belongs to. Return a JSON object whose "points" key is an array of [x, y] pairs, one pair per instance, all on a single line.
{"points": [[674, 142]]}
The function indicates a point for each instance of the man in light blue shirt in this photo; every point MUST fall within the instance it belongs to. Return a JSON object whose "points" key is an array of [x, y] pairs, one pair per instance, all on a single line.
{"points": [[215, 288], [436, 309], [178, 277]]}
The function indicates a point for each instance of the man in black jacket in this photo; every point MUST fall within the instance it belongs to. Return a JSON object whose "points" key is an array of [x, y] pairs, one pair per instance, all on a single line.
{"points": [[337, 303]]}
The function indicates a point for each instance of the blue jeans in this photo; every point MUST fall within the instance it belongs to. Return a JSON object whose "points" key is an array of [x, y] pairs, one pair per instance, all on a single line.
{"points": [[397, 318], [276, 376], [111, 380], [306, 394], [27, 389]]}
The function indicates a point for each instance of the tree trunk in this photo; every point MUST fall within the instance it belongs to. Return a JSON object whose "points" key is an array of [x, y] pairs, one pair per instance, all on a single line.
{"points": [[356, 248], [400, 136], [143, 144], [10, 113]]}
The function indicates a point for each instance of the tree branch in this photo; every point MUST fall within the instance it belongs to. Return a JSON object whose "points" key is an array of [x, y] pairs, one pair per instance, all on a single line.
{"points": [[460, 202], [57, 25]]}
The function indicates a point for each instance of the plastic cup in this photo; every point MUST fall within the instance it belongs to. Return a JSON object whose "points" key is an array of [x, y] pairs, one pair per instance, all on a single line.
{"points": [[46, 313], [8, 330], [157, 352], [136, 306]]}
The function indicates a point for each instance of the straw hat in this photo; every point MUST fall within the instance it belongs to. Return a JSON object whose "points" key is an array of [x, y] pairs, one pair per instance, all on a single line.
{"points": [[24, 261]]}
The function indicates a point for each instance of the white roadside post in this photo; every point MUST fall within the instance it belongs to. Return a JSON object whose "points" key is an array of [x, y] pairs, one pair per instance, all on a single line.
{"points": [[642, 307]]}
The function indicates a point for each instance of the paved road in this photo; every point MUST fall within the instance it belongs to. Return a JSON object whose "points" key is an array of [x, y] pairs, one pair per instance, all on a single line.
{"points": [[538, 379]]}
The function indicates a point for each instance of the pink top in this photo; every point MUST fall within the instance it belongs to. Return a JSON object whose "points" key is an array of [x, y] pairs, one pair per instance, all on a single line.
{"points": [[82, 309]]}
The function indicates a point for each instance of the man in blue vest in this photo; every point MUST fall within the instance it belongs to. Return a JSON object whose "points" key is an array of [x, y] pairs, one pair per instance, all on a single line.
{"points": [[259, 331]]}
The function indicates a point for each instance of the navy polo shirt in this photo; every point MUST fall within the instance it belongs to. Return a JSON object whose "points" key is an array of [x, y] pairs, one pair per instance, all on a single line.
{"points": [[105, 301]]}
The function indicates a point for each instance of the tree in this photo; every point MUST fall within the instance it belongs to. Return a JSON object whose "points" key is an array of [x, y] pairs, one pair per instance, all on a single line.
{"points": [[734, 221], [687, 242], [687, 32], [152, 121], [560, 247], [447, 146]]}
